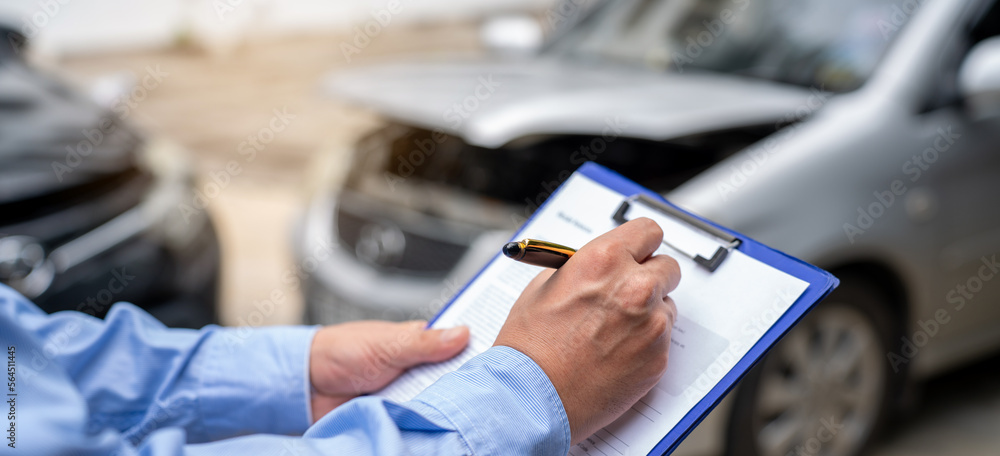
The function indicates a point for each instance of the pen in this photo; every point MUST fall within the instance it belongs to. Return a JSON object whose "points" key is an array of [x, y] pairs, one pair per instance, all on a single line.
{"points": [[538, 253]]}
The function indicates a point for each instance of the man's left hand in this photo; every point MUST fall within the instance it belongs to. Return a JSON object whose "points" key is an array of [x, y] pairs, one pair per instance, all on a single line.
{"points": [[355, 358]]}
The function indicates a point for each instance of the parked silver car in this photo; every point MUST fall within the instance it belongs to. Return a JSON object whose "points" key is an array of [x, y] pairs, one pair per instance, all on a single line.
{"points": [[861, 136]]}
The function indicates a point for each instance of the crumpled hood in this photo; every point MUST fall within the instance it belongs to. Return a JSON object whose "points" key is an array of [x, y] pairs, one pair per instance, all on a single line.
{"points": [[491, 102], [39, 119]]}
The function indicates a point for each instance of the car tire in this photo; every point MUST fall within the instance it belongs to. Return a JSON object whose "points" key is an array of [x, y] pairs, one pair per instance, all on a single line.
{"points": [[826, 388]]}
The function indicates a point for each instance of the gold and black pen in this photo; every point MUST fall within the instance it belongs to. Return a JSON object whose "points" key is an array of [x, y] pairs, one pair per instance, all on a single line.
{"points": [[538, 253]]}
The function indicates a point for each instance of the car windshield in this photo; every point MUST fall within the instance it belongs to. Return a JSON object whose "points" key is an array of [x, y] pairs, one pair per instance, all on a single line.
{"points": [[829, 44]]}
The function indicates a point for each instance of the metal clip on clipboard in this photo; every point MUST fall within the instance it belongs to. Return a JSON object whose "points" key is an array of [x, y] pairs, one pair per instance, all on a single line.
{"points": [[730, 241]]}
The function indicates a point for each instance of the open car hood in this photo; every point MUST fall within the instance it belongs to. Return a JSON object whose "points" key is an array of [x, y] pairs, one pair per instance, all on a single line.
{"points": [[491, 102]]}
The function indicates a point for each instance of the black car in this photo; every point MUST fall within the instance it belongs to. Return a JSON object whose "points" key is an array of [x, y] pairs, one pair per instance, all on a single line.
{"points": [[90, 208]]}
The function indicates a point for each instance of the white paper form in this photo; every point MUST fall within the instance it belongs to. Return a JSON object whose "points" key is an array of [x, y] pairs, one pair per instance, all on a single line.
{"points": [[721, 314]]}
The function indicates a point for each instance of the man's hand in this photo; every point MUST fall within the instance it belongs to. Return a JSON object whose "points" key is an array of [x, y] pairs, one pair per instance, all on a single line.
{"points": [[600, 325], [350, 359]]}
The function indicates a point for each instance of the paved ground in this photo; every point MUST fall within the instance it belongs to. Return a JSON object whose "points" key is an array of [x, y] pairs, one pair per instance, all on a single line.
{"points": [[210, 103]]}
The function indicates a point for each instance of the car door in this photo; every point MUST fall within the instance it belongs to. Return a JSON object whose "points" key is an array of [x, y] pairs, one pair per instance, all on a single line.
{"points": [[954, 183]]}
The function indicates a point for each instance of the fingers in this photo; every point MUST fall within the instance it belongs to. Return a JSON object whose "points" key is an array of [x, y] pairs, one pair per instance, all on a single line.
{"points": [[640, 237], [666, 271], [419, 345], [665, 315], [671, 309]]}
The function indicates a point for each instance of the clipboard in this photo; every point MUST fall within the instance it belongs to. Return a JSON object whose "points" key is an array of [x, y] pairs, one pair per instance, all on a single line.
{"points": [[819, 282], [729, 241]]}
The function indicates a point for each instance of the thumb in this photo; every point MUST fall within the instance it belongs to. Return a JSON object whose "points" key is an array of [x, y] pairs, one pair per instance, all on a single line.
{"points": [[432, 345]]}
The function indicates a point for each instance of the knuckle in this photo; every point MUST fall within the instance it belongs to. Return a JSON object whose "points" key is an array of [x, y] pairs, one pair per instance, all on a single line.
{"points": [[423, 339], [647, 224], [655, 229], [605, 255], [658, 322], [643, 281], [637, 293], [643, 222], [672, 265], [647, 284], [668, 272], [666, 266]]}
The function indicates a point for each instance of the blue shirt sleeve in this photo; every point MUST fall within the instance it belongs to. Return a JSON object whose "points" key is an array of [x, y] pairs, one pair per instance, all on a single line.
{"points": [[128, 385], [136, 376]]}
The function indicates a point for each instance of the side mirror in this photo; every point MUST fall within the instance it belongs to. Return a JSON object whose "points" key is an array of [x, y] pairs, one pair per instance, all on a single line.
{"points": [[511, 35], [979, 79]]}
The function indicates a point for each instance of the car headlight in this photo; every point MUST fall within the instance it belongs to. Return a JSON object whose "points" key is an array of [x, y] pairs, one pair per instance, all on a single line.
{"points": [[24, 265]]}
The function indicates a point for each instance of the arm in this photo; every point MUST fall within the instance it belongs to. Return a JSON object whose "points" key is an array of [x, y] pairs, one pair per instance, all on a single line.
{"points": [[498, 403], [497, 400], [134, 375], [580, 346]]}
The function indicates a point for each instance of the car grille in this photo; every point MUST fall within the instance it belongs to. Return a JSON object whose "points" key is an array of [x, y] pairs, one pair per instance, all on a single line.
{"points": [[387, 246]]}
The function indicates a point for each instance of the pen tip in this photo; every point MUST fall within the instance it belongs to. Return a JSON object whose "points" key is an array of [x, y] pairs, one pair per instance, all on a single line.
{"points": [[512, 249]]}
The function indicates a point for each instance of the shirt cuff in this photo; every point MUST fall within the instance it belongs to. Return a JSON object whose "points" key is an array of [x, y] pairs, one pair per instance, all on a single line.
{"points": [[254, 380], [501, 402]]}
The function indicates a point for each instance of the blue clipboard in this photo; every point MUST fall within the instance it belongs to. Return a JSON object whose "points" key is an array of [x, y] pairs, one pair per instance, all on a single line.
{"points": [[821, 283]]}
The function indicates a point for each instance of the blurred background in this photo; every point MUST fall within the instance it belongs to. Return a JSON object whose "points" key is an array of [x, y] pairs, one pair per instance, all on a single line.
{"points": [[255, 162]]}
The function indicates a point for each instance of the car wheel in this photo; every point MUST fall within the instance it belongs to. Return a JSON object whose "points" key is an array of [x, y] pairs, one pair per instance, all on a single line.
{"points": [[826, 388]]}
